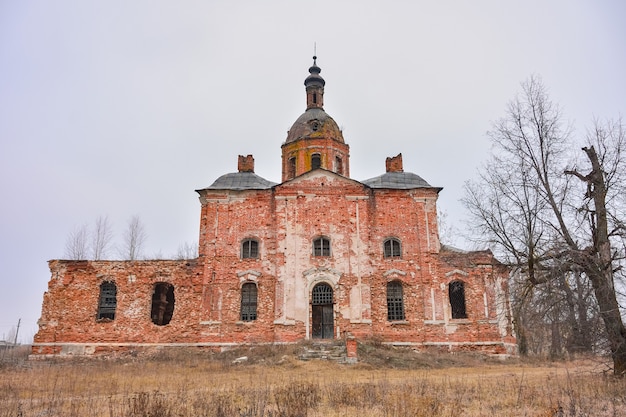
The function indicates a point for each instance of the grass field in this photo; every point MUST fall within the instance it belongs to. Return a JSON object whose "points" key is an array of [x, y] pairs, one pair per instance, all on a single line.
{"points": [[274, 383]]}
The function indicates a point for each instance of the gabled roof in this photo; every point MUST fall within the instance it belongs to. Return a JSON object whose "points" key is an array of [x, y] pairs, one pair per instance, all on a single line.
{"points": [[319, 171]]}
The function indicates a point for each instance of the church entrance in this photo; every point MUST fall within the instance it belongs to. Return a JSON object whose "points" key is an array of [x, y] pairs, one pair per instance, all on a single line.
{"points": [[322, 309]]}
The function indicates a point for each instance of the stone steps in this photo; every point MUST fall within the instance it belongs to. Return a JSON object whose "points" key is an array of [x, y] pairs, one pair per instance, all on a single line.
{"points": [[333, 351]]}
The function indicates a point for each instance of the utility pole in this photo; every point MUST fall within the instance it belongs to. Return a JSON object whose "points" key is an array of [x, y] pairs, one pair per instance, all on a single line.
{"points": [[17, 331]]}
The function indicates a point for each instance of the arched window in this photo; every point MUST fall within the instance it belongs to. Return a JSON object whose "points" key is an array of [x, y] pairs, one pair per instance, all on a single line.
{"points": [[108, 301], [456, 293], [162, 303], [249, 249], [392, 248], [316, 161], [291, 167], [248, 301], [395, 301], [321, 247]]}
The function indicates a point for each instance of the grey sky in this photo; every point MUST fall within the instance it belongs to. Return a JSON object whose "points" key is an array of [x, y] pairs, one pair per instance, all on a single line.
{"points": [[123, 108]]}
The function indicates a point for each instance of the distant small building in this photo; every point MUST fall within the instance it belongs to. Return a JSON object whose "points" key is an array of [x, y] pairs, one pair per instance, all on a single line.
{"points": [[317, 256]]}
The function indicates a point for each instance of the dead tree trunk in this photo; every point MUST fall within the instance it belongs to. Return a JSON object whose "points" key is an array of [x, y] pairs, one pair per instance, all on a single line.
{"points": [[596, 261]]}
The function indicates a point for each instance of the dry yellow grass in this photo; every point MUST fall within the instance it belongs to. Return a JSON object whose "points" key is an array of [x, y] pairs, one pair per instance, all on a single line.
{"points": [[274, 383]]}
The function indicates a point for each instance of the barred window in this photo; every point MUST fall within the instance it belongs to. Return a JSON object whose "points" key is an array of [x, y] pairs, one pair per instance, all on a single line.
{"points": [[248, 301], [395, 302], [322, 294], [321, 247], [108, 301], [456, 293], [392, 248], [250, 249]]}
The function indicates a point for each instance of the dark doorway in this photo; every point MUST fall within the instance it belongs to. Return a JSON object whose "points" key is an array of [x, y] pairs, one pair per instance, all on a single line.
{"points": [[162, 303], [322, 308]]}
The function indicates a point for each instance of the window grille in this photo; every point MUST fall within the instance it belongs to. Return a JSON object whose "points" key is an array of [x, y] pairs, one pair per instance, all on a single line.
{"points": [[456, 293], [248, 302], [108, 301], [395, 302], [250, 249], [392, 248], [321, 247], [322, 294]]}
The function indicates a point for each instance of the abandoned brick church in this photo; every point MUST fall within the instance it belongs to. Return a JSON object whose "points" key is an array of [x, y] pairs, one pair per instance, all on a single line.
{"points": [[317, 256]]}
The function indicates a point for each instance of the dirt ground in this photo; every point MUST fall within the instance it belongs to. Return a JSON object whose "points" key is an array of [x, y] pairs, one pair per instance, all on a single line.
{"points": [[272, 382]]}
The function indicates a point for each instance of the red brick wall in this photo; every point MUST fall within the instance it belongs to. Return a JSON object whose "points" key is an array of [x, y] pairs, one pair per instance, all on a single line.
{"points": [[285, 220]]}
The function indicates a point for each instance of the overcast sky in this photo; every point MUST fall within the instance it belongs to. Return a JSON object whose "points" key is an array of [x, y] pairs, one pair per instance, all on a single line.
{"points": [[122, 108]]}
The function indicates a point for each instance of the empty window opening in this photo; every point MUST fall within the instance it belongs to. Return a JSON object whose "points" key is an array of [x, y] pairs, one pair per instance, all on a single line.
{"points": [[456, 293], [248, 301], [321, 247], [338, 165], [108, 301], [162, 303], [314, 98], [250, 249], [316, 161], [291, 167], [392, 248], [395, 301], [322, 320]]}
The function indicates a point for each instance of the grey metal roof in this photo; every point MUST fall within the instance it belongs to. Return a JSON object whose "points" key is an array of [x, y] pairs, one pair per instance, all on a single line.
{"points": [[398, 180], [241, 181]]}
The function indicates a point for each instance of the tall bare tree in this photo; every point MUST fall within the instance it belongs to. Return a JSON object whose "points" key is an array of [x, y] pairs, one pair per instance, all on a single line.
{"points": [[558, 234], [134, 239], [101, 237], [77, 244]]}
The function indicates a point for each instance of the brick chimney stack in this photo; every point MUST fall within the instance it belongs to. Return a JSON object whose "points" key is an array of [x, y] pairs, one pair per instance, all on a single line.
{"points": [[394, 163], [246, 163]]}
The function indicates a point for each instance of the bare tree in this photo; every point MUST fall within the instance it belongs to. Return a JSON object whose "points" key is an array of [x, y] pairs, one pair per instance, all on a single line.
{"points": [[448, 233], [77, 244], [101, 238], [134, 240], [557, 233], [187, 251]]}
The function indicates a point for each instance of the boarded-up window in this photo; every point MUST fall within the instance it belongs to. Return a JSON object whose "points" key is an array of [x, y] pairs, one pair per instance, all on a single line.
{"points": [[108, 301], [248, 301], [456, 293], [395, 301], [162, 303]]}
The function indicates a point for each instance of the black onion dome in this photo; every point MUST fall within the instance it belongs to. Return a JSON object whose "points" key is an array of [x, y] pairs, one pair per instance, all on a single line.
{"points": [[314, 79]]}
